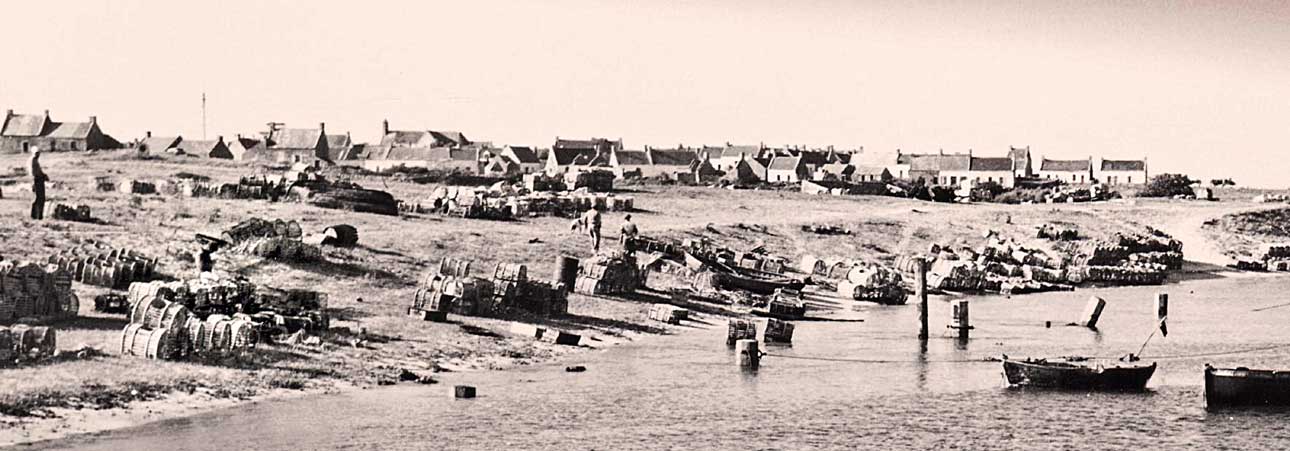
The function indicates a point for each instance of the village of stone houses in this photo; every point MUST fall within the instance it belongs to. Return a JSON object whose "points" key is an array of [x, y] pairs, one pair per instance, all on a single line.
{"points": [[143, 277]]}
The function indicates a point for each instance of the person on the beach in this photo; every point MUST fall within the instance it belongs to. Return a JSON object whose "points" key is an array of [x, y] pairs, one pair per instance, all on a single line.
{"points": [[628, 235], [590, 221], [38, 179]]}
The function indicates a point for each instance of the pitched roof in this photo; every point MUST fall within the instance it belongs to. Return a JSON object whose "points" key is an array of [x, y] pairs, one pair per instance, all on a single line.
{"points": [[460, 154], [1124, 165], [1065, 165], [295, 138], [355, 152], [524, 154], [815, 157], [735, 151], [949, 162], [837, 168], [785, 163], [339, 141], [198, 146], [869, 170], [24, 125], [632, 157], [567, 156], [449, 138], [990, 164], [159, 143], [69, 130], [584, 144], [406, 138], [672, 157]]}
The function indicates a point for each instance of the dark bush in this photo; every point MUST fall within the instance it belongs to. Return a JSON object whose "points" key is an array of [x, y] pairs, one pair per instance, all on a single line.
{"points": [[1167, 185]]}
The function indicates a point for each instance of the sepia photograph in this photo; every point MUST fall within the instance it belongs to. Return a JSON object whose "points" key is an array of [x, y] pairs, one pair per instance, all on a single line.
{"points": [[289, 225]]}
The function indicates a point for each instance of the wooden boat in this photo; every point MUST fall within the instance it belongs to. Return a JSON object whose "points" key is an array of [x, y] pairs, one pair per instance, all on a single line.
{"points": [[751, 280], [1077, 374], [1229, 387]]}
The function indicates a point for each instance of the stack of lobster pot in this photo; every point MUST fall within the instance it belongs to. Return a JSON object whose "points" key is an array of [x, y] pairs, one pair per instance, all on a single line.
{"points": [[158, 329], [106, 266], [292, 310], [545, 298], [778, 331], [22, 342], [29, 290], [667, 313], [449, 289], [62, 212], [509, 282], [278, 240], [611, 273], [222, 333], [740, 329]]}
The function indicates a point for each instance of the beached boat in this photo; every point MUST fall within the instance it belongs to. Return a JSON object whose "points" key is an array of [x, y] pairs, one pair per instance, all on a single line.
{"points": [[1225, 387], [1077, 374], [735, 278]]}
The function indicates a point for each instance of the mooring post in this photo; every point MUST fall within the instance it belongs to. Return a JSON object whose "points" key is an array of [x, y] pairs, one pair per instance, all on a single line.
{"points": [[748, 354], [1162, 312], [920, 272], [961, 319], [1093, 311]]}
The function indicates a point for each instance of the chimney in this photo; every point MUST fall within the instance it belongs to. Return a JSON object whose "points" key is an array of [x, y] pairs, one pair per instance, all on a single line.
{"points": [[147, 134], [219, 138], [8, 113], [46, 113], [94, 120], [322, 127], [385, 127]]}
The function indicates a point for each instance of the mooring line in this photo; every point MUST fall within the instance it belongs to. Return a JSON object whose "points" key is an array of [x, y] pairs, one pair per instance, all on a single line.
{"points": [[997, 359]]}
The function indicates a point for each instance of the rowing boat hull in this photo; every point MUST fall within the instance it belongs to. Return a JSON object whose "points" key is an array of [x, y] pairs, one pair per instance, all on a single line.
{"points": [[1071, 376], [1232, 387]]}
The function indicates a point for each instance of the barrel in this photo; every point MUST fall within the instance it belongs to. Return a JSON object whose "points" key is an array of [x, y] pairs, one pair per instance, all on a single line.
{"points": [[566, 270]]}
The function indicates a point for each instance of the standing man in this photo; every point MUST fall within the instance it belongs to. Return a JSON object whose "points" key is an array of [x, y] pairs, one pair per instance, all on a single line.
{"points": [[591, 221], [38, 179], [628, 236], [207, 246]]}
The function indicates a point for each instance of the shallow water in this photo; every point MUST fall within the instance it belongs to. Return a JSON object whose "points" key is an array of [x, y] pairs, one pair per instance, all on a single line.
{"points": [[685, 392]]}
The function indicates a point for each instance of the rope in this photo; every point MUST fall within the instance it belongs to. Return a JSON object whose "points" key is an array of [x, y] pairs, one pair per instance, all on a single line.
{"points": [[997, 359]]}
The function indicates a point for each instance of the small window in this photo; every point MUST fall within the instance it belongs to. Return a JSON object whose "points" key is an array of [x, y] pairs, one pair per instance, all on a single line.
{"points": [[26, 146], [72, 145], [1130, 180]]}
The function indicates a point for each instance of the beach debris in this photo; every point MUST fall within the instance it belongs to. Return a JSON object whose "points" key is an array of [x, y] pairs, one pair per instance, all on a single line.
{"points": [[1093, 312], [111, 303], [575, 369], [668, 313], [463, 392], [826, 230], [1058, 232], [567, 339], [30, 290]]}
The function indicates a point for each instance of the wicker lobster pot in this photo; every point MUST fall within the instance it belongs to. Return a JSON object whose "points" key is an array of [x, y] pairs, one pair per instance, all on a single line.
{"points": [[33, 342], [514, 272], [7, 346]]}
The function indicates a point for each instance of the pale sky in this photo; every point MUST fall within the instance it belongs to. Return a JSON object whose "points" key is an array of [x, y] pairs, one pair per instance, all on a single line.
{"points": [[1197, 87]]}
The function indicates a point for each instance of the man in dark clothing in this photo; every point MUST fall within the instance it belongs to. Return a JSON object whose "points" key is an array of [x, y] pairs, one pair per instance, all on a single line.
{"points": [[628, 235], [38, 179], [205, 263]]}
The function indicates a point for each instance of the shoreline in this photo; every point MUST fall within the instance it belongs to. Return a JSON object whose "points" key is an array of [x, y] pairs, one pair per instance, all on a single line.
{"points": [[70, 423]]}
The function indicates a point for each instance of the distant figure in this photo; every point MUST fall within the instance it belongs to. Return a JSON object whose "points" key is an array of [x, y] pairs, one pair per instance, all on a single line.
{"points": [[205, 262], [628, 236], [38, 179], [590, 221]]}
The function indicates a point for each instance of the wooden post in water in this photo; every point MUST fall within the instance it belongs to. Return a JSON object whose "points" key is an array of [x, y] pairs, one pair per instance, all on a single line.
{"points": [[748, 354], [1093, 311], [920, 273], [1162, 312], [961, 318]]}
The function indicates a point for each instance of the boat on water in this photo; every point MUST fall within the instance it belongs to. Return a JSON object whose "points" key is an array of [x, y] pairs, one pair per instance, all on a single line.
{"points": [[1241, 386], [1078, 374], [735, 278]]}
